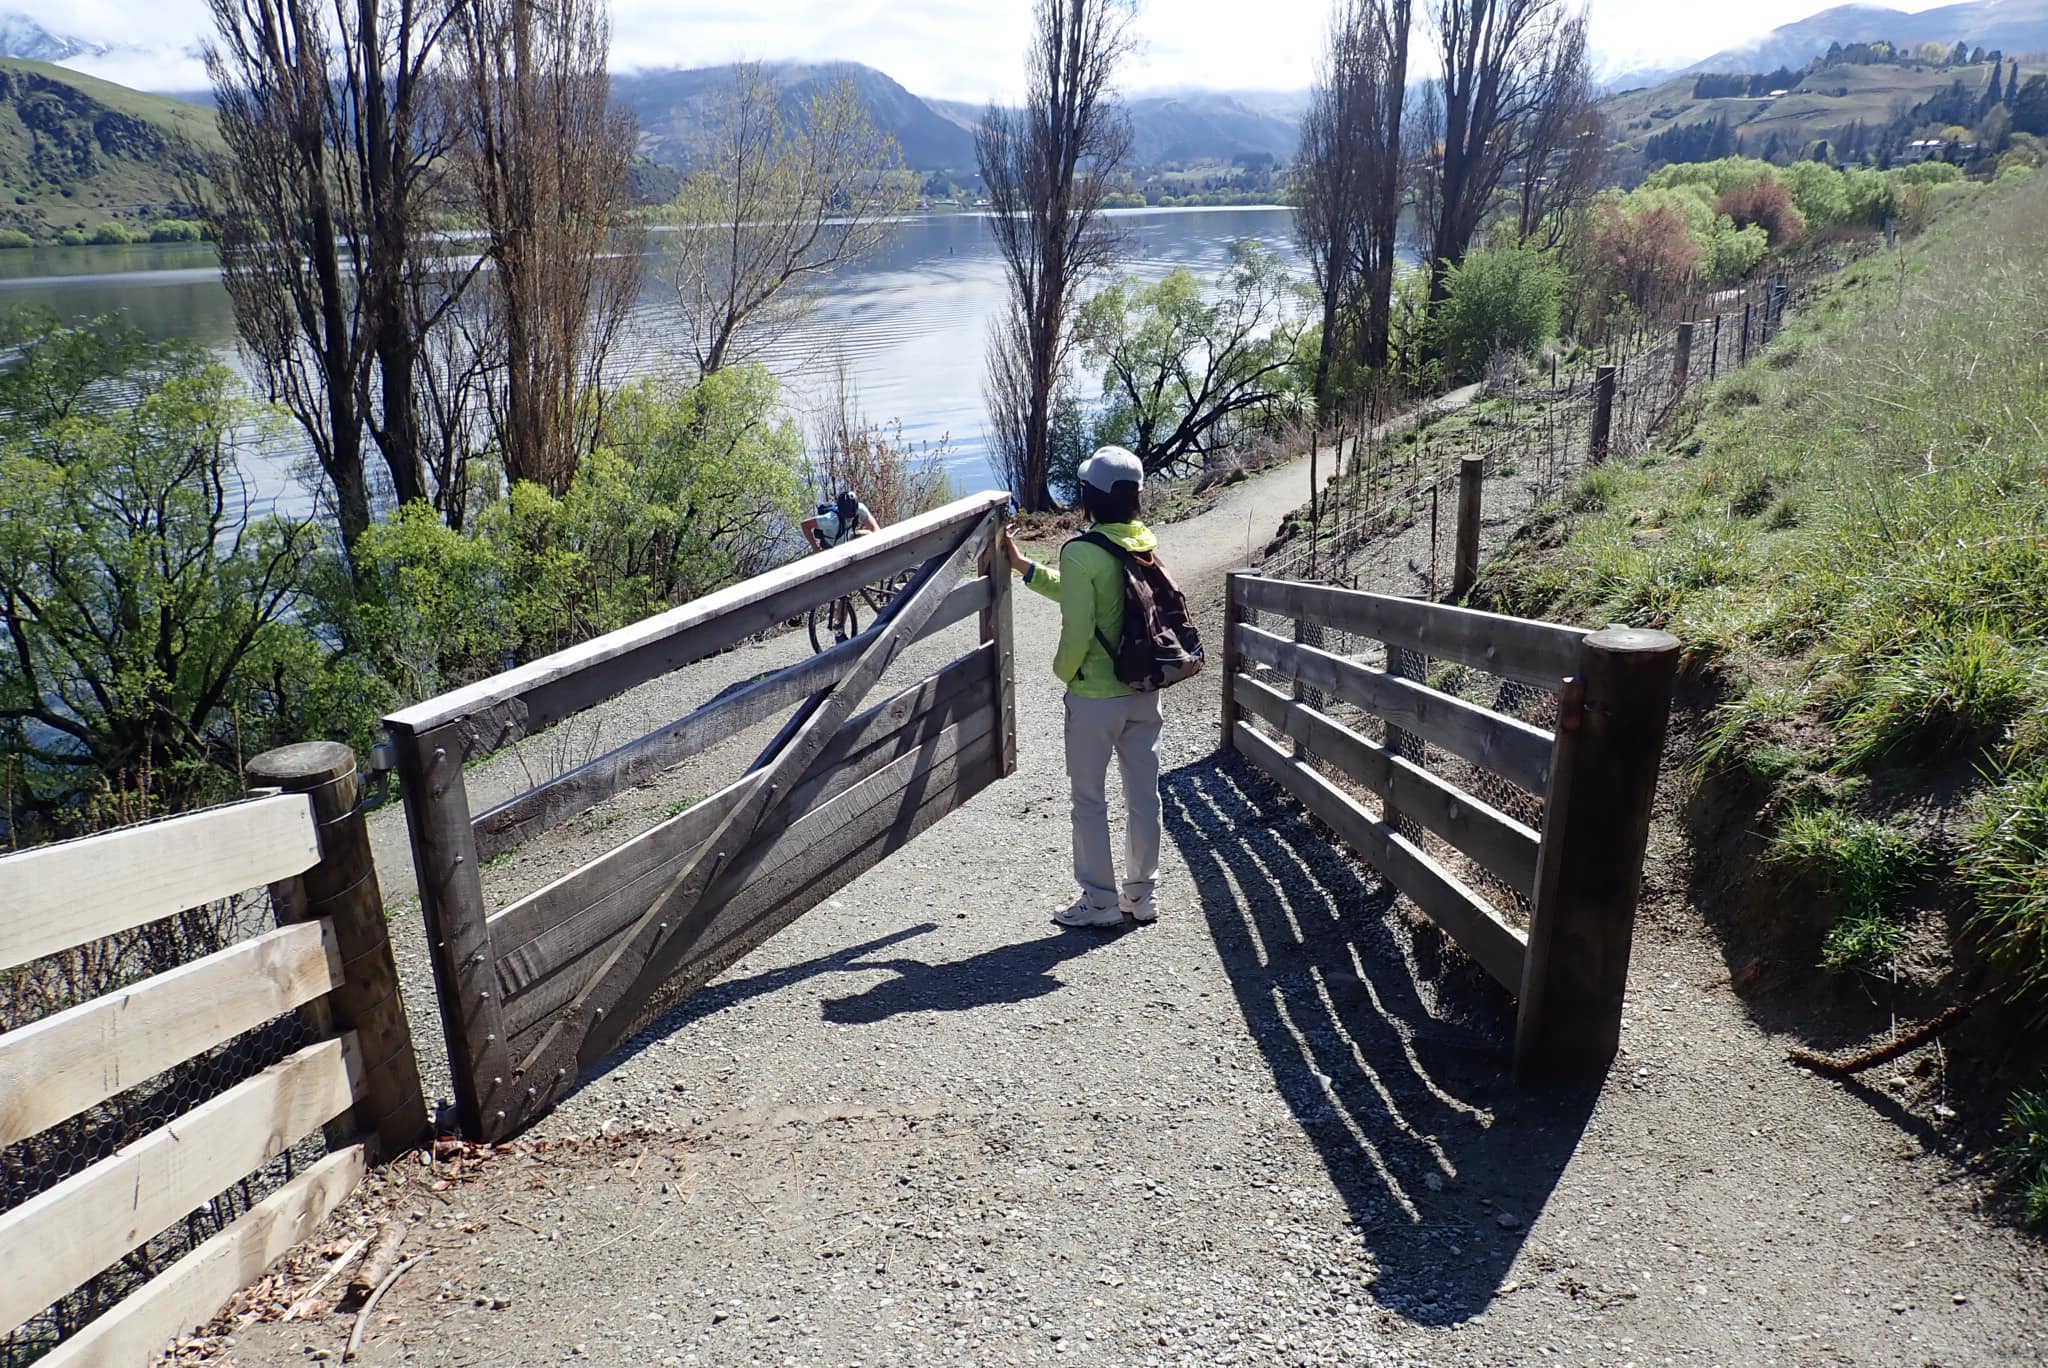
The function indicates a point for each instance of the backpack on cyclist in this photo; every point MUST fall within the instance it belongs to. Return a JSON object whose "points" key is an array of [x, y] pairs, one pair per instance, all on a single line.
{"points": [[1160, 646]]}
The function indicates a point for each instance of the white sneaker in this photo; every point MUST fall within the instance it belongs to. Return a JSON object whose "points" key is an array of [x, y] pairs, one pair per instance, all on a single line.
{"points": [[1081, 914], [1144, 911]]}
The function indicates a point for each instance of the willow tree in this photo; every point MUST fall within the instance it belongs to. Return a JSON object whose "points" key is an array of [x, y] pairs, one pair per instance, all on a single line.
{"points": [[544, 159], [1047, 169], [774, 210]]}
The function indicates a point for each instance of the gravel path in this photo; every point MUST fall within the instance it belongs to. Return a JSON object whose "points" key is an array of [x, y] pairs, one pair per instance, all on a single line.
{"points": [[925, 1126]]}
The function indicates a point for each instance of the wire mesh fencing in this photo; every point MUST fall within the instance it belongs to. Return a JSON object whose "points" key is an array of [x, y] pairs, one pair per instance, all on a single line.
{"points": [[35, 1165], [1524, 702]]}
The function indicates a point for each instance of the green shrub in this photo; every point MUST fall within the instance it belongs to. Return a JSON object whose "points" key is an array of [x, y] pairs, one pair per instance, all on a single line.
{"points": [[177, 230], [1500, 300], [14, 237], [75, 237], [111, 235]]}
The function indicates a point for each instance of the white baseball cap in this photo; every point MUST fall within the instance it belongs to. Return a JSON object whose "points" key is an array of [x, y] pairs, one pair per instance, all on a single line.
{"points": [[1111, 466]]}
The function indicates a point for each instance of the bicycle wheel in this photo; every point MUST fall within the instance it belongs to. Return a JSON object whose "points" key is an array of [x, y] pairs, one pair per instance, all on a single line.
{"points": [[826, 617], [880, 596]]}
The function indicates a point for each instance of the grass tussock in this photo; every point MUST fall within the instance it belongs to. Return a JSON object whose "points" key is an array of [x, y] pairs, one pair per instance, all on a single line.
{"points": [[1867, 867], [2026, 1154], [1857, 523]]}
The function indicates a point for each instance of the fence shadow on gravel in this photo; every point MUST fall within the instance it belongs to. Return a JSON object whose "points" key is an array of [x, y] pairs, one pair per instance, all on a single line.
{"points": [[1398, 1073]]}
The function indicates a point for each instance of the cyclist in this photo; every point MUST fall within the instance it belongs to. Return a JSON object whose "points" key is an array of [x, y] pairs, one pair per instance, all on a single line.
{"points": [[839, 522], [835, 524]]}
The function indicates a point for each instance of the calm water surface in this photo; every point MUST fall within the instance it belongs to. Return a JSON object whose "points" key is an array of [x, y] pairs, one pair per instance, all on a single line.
{"points": [[911, 323]]}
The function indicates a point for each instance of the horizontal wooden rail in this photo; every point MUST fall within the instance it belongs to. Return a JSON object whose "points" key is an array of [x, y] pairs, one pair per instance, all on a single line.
{"points": [[57, 1067], [829, 847], [1499, 948], [1512, 749], [565, 919], [1540, 653], [547, 907], [548, 805], [1503, 846], [504, 708], [56, 896], [64, 1235], [190, 1291]]}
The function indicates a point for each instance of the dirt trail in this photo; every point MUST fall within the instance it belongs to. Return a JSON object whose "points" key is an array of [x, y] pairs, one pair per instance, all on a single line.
{"points": [[924, 1125]]}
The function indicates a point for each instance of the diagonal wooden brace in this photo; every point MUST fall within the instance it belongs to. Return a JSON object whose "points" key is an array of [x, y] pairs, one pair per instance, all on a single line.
{"points": [[594, 1021]]}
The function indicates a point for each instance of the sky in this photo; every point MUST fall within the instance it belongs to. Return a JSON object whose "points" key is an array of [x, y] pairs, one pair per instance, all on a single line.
{"points": [[969, 49]]}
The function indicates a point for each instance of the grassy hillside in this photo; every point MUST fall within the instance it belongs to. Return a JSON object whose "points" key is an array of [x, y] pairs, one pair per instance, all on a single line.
{"points": [[1852, 537], [77, 152], [1820, 106]]}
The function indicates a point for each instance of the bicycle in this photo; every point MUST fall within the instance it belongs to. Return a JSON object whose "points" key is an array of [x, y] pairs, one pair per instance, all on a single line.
{"points": [[839, 620]]}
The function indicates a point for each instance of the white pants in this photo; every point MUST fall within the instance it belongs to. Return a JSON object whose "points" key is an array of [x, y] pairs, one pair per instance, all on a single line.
{"points": [[1127, 728]]}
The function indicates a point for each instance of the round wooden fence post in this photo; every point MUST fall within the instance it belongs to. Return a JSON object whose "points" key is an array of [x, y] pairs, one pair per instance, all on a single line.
{"points": [[343, 888], [1603, 411], [1681, 362], [1471, 477], [1233, 616], [1596, 827]]}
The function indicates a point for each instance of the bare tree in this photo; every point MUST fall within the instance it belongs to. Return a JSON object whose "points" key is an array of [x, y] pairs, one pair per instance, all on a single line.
{"points": [[1328, 171], [1047, 169], [544, 159], [1493, 56], [317, 208], [1349, 184], [1382, 113], [776, 210], [1563, 145]]}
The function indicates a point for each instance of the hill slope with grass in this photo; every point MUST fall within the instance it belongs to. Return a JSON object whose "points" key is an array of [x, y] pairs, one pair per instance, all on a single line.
{"points": [[1852, 537], [1824, 104], [77, 152]]}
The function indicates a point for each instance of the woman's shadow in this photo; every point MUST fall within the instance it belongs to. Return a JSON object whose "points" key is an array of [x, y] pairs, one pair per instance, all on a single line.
{"points": [[1008, 973]]}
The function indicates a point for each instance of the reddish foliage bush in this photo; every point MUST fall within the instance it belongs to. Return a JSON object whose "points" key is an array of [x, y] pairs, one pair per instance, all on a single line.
{"points": [[1767, 203], [1647, 257]]}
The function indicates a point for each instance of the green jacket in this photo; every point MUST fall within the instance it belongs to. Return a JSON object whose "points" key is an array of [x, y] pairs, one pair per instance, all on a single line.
{"points": [[1088, 585]]}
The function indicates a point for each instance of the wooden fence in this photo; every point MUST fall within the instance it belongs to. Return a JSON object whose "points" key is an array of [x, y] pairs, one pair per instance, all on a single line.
{"points": [[1580, 874], [535, 993], [328, 961]]}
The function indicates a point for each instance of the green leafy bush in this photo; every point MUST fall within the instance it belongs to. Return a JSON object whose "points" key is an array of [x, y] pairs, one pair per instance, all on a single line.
{"points": [[149, 614], [177, 230], [1500, 300], [14, 238], [111, 235]]}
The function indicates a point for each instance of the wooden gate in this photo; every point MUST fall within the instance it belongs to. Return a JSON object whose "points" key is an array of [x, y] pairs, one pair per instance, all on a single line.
{"points": [[535, 993], [1586, 788]]}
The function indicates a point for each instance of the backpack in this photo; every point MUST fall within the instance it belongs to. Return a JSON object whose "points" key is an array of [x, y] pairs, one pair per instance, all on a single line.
{"points": [[1160, 645]]}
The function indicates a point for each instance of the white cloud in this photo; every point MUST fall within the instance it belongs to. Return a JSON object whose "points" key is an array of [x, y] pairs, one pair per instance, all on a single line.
{"points": [[966, 49]]}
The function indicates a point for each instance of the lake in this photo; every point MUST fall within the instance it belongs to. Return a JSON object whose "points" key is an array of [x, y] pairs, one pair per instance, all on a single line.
{"points": [[911, 322]]}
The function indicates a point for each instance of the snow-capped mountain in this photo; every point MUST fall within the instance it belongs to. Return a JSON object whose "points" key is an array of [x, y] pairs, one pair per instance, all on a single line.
{"points": [[21, 36]]}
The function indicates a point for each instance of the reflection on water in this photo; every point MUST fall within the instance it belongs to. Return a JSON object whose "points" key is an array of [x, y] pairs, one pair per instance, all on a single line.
{"points": [[911, 322]]}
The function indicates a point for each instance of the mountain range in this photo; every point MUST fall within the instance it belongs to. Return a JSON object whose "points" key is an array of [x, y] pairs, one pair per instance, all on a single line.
{"points": [[2016, 26], [674, 106]]}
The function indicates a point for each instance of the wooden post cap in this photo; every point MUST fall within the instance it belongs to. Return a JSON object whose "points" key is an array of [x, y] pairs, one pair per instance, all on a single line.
{"points": [[1472, 465], [301, 765], [1633, 641]]}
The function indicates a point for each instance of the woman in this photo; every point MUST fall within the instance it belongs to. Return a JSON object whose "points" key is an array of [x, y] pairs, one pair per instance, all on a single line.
{"points": [[1105, 716]]}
